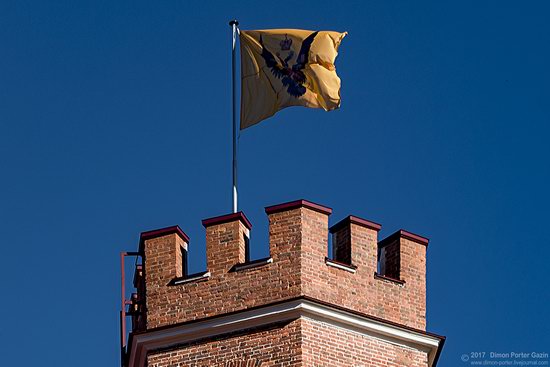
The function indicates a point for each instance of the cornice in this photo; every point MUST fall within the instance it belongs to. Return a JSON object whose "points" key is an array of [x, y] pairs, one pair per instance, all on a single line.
{"points": [[168, 337]]}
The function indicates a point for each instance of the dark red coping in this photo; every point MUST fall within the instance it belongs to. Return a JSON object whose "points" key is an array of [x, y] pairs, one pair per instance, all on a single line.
{"points": [[355, 220], [307, 298], [298, 204], [161, 232], [380, 276], [226, 219], [403, 234]]}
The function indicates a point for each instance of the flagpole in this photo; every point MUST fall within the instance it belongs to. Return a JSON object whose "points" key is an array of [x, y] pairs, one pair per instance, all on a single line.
{"points": [[234, 24]]}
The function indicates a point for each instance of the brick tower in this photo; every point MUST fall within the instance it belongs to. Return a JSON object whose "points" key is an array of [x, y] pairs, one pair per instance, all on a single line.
{"points": [[363, 306]]}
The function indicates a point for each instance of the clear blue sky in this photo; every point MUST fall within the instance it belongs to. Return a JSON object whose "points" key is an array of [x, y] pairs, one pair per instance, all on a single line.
{"points": [[115, 119]]}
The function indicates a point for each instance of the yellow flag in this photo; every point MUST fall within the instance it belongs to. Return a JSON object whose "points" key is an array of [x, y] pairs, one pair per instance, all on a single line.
{"points": [[287, 67]]}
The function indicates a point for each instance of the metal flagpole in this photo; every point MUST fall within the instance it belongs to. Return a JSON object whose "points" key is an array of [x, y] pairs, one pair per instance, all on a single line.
{"points": [[234, 24]]}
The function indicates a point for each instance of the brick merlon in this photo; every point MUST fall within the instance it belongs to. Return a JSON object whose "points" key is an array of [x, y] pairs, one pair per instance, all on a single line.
{"points": [[227, 218], [147, 235], [355, 220], [404, 234], [298, 204]]}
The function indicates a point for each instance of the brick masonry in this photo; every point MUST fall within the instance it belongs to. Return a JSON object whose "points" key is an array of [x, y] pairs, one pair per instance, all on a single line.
{"points": [[302, 342], [298, 242], [279, 345], [329, 346]]}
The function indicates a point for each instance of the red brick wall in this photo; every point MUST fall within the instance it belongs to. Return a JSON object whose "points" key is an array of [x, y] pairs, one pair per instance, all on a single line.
{"points": [[362, 291], [328, 346], [278, 345], [225, 291], [302, 342], [298, 246], [224, 247]]}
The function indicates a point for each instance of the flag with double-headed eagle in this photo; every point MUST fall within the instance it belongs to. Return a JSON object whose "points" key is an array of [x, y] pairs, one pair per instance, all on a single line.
{"points": [[287, 67]]}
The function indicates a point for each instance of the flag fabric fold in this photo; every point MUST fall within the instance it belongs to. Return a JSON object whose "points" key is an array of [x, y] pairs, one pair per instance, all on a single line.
{"points": [[287, 67]]}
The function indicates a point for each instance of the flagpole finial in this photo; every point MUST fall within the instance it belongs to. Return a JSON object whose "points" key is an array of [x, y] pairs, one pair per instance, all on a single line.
{"points": [[235, 22]]}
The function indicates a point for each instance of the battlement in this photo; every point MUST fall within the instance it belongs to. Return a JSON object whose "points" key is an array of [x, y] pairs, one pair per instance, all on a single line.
{"points": [[385, 279]]}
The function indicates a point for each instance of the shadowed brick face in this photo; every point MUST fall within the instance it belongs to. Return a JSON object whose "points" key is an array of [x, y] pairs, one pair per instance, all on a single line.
{"points": [[392, 256], [298, 243], [341, 242]]}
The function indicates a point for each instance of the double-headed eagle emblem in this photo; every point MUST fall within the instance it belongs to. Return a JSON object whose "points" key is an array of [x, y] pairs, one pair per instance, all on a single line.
{"points": [[292, 77]]}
